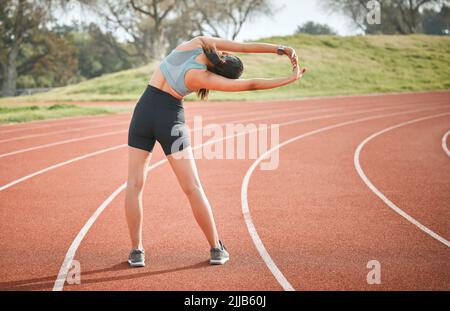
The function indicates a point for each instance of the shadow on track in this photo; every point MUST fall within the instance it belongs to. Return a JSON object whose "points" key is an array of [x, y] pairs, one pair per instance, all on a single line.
{"points": [[46, 283]]}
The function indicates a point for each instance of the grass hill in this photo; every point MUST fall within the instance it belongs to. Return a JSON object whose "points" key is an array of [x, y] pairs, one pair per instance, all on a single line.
{"points": [[337, 66]]}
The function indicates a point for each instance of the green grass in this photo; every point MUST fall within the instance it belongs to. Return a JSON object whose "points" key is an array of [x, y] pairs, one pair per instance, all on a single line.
{"points": [[17, 113], [337, 66]]}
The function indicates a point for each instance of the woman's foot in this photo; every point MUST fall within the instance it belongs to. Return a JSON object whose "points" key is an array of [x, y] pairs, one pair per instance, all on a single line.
{"points": [[219, 255], [137, 258]]}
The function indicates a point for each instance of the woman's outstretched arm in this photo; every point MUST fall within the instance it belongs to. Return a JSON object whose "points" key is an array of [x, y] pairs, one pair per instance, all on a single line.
{"points": [[234, 46], [211, 81], [250, 47], [246, 47]]}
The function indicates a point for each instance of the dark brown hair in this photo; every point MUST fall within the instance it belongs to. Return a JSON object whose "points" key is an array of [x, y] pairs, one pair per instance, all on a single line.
{"points": [[203, 93], [228, 66]]}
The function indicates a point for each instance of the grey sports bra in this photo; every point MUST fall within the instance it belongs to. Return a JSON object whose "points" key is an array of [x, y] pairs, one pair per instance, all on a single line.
{"points": [[175, 65]]}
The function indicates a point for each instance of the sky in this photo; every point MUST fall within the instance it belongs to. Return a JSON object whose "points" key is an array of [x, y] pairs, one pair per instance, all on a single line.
{"points": [[291, 14], [294, 13]]}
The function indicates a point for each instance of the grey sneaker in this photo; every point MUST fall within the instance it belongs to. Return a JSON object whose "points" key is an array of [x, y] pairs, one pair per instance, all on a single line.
{"points": [[137, 258], [219, 256]]}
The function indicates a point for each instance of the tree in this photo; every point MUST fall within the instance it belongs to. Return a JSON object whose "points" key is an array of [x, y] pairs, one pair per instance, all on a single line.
{"points": [[97, 52], [225, 18], [31, 53], [19, 22], [157, 11], [398, 16], [315, 29], [437, 23], [157, 25], [47, 60], [143, 20]]}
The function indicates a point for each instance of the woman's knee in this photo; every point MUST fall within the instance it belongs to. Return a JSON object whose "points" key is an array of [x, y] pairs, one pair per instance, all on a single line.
{"points": [[135, 183], [191, 187]]}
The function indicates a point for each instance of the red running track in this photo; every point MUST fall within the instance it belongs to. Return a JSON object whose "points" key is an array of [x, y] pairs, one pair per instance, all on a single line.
{"points": [[319, 222]]}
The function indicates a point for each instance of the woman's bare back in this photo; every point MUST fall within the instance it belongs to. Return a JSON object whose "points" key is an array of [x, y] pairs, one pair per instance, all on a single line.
{"points": [[157, 80]]}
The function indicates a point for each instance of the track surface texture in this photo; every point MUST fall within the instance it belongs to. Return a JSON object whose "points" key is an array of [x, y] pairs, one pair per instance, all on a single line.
{"points": [[359, 178]]}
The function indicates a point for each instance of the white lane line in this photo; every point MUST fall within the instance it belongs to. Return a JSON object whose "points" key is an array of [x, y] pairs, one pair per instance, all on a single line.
{"points": [[278, 110], [259, 103], [444, 143], [124, 145], [279, 276], [258, 111], [88, 120], [63, 131], [380, 194], [215, 116], [74, 130], [93, 118], [84, 119], [61, 142], [52, 167], [244, 194], [10, 184], [126, 130], [62, 274]]}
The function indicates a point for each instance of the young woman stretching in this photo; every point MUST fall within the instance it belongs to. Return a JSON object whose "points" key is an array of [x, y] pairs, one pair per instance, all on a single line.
{"points": [[200, 65]]}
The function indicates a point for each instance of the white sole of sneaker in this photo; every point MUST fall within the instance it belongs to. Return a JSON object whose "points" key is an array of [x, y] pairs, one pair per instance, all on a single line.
{"points": [[136, 264], [218, 261]]}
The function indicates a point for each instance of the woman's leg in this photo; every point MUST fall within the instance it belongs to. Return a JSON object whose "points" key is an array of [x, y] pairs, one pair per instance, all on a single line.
{"points": [[137, 165], [183, 165]]}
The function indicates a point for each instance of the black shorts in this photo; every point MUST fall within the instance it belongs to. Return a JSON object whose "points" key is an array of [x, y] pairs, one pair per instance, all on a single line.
{"points": [[158, 116]]}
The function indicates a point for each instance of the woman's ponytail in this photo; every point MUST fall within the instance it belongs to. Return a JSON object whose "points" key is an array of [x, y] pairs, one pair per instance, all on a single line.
{"points": [[211, 54], [202, 94]]}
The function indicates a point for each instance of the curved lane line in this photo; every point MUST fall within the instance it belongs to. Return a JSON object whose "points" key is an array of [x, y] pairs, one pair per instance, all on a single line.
{"points": [[65, 266], [60, 122], [126, 130], [3, 155], [89, 119], [63, 131], [207, 118], [444, 143], [14, 182], [244, 195], [380, 194], [49, 168], [126, 122]]}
